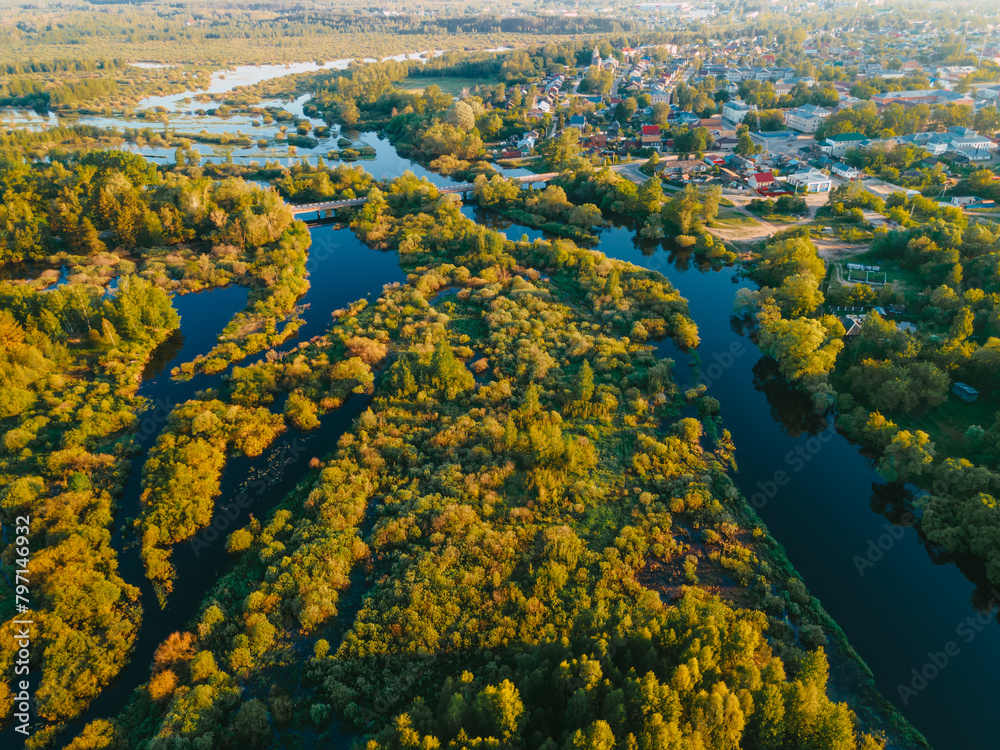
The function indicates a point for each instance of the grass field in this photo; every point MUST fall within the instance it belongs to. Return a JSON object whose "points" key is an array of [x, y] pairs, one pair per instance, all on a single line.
{"points": [[449, 84], [735, 218], [780, 218]]}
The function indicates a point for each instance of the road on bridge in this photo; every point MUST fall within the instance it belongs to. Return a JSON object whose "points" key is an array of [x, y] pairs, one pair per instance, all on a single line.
{"points": [[462, 187]]}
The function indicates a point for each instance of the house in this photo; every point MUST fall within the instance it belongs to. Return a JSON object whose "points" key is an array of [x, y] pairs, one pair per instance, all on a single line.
{"points": [[684, 168], [971, 156], [511, 153], [577, 121], [806, 119], [811, 181], [736, 110], [651, 136], [684, 118], [935, 143], [761, 181], [744, 163], [628, 146], [785, 85], [852, 324], [964, 142], [726, 143], [848, 173], [840, 144], [965, 392], [966, 138]]}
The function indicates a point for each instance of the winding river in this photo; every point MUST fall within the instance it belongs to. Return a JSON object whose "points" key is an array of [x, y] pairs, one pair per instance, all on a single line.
{"points": [[921, 620], [900, 601]]}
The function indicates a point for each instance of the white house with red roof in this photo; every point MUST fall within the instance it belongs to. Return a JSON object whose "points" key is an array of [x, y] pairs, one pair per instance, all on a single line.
{"points": [[761, 181]]}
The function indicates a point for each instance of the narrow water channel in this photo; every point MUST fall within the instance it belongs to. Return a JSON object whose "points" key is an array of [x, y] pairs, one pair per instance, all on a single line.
{"points": [[342, 269]]}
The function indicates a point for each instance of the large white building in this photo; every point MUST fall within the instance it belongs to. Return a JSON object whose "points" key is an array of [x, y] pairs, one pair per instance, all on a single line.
{"points": [[806, 119], [839, 145], [737, 109], [811, 181]]}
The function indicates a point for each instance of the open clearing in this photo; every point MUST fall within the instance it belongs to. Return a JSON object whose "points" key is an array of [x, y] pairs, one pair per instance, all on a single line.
{"points": [[834, 250], [449, 84]]}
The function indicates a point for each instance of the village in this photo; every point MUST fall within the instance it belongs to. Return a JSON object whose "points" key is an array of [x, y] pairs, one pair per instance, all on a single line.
{"points": [[736, 114]]}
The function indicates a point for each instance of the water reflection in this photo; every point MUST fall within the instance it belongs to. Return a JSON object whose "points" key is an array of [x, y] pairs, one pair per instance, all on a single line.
{"points": [[894, 501], [790, 407], [164, 354]]}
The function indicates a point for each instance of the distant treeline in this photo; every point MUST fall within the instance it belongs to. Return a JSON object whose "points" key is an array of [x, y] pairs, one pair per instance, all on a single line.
{"points": [[62, 66], [31, 92]]}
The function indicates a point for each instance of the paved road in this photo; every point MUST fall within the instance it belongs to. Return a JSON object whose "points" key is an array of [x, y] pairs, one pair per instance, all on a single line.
{"points": [[630, 169]]}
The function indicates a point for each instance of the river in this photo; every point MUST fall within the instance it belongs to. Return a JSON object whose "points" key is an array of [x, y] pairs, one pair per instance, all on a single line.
{"points": [[899, 602], [906, 607]]}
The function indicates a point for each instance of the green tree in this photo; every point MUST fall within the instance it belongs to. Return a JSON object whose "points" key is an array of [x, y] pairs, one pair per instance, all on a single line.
{"points": [[564, 150], [583, 383], [789, 257], [745, 145], [908, 458], [802, 347], [499, 712], [251, 725], [461, 116]]}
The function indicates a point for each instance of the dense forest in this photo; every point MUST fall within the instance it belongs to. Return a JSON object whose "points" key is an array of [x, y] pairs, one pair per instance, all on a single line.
{"points": [[521, 542], [203, 33], [73, 355], [523, 467]]}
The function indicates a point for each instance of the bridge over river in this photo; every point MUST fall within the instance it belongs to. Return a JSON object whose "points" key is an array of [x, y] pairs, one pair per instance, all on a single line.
{"points": [[328, 207]]}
